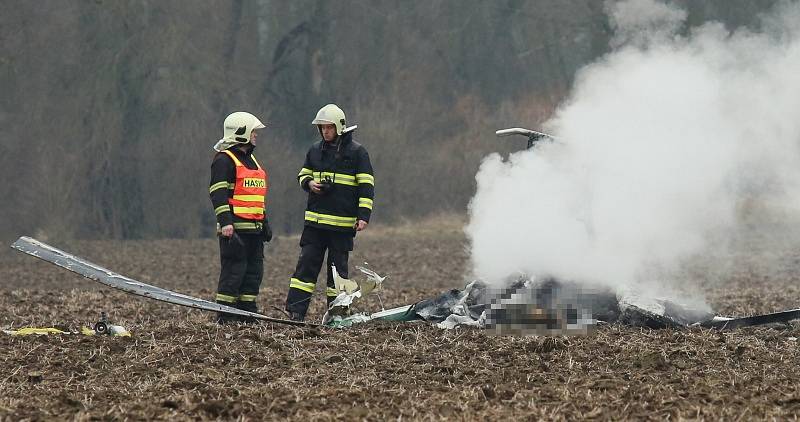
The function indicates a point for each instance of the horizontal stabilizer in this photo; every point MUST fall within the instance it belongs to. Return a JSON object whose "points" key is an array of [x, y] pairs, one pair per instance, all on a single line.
{"points": [[522, 132]]}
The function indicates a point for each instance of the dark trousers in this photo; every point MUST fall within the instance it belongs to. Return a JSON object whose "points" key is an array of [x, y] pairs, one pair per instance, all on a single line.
{"points": [[242, 268], [314, 242]]}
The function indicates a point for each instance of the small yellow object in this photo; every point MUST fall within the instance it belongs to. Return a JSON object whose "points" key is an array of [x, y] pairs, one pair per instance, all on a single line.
{"points": [[31, 330], [114, 330]]}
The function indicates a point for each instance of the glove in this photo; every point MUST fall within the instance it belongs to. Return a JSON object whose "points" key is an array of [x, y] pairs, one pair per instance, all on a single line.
{"points": [[266, 231]]}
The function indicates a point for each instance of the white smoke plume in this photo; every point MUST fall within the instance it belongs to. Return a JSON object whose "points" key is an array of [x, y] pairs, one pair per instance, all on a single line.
{"points": [[659, 143]]}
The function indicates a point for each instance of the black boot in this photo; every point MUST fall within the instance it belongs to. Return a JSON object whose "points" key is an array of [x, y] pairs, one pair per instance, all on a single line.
{"points": [[223, 318], [249, 307], [296, 316]]}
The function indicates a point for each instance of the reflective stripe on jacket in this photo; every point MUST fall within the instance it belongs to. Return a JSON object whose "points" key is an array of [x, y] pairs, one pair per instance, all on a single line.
{"points": [[345, 164]]}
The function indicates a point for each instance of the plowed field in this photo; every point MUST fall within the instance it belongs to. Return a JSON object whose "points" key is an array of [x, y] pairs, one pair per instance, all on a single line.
{"points": [[179, 365]]}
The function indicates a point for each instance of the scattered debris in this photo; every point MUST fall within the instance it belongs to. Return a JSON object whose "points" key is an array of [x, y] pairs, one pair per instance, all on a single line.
{"points": [[548, 306], [540, 306], [104, 327], [101, 327], [340, 311]]}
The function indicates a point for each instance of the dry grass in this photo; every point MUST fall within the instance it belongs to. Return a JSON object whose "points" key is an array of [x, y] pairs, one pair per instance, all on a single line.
{"points": [[178, 365]]}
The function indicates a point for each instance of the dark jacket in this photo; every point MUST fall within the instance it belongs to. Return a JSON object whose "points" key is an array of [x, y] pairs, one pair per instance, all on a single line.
{"points": [[350, 194], [223, 178]]}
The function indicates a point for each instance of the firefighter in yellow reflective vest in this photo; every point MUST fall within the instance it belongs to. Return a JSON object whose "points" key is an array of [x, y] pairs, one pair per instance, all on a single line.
{"points": [[238, 191], [337, 175]]}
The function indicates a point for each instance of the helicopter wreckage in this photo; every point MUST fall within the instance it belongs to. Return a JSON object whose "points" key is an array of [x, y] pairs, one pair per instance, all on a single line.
{"points": [[540, 306], [526, 305]]}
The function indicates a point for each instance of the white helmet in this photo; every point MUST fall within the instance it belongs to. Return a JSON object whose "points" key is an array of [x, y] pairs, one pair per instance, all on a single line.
{"points": [[331, 114], [237, 129]]}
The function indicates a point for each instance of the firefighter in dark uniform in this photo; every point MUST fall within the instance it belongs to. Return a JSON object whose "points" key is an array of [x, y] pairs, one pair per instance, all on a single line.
{"points": [[338, 177], [238, 191]]}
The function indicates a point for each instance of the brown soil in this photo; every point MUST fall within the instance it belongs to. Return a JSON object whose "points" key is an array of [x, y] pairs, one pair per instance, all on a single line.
{"points": [[178, 365]]}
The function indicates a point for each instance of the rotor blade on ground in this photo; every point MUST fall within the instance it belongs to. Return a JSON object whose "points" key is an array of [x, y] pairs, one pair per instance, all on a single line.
{"points": [[731, 323], [109, 278]]}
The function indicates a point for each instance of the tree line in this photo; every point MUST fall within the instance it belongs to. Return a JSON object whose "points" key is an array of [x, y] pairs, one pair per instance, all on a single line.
{"points": [[109, 109]]}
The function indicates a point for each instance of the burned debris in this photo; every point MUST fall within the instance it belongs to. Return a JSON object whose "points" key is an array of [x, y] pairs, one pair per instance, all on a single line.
{"points": [[527, 306], [547, 306]]}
